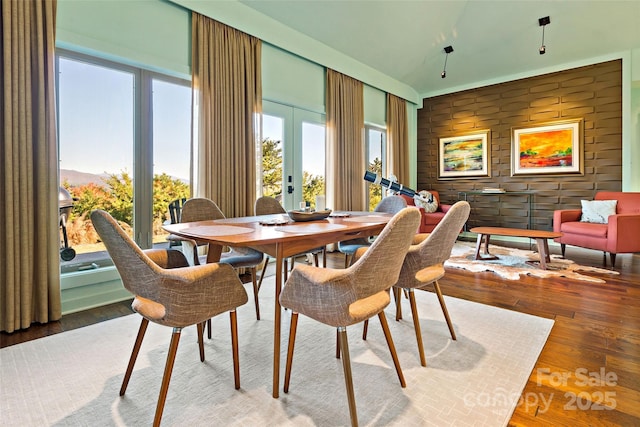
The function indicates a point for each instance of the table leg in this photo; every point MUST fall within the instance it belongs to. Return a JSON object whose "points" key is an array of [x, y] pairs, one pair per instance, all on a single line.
{"points": [[487, 255], [277, 320], [543, 250]]}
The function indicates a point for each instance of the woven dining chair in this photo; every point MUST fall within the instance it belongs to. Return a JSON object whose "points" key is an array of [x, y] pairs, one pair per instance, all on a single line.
{"points": [[266, 205], [169, 292], [390, 204], [203, 209], [424, 265], [343, 297]]}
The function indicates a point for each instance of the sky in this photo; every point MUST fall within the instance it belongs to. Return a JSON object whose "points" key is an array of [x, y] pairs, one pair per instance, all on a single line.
{"points": [[96, 118]]}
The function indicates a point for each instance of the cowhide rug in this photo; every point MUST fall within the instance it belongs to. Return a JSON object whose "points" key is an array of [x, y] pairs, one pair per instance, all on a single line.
{"points": [[512, 263]]}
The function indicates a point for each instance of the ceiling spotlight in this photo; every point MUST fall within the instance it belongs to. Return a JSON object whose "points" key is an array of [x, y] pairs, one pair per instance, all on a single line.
{"points": [[447, 51], [543, 22]]}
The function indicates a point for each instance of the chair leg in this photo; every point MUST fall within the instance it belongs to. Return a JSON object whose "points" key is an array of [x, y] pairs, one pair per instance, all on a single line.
{"points": [[171, 357], [315, 259], [348, 380], [436, 286], [134, 355], [392, 348], [292, 342], [200, 340], [234, 346], [209, 328], [324, 258], [346, 260], [397, 296], [264, 270], [365, 329], [255, 292], [612, 256], [337, 345], [563, 247], [416, 326]]}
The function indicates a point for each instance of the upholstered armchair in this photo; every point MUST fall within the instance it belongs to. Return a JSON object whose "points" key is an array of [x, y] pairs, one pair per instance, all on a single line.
{"points": [[424, 266], [169, 292], [431, 214], [343, 297], [609, 223]]}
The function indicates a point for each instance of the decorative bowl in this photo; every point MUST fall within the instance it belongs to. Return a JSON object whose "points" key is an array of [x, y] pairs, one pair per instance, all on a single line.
{"points": [[309, 216]]}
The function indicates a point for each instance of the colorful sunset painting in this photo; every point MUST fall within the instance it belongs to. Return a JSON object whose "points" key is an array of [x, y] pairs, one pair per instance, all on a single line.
{"points": [[546, 149], [463, 155]]}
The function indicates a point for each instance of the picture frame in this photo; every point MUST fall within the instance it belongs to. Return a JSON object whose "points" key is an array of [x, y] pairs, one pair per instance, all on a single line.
{"points": [[466, 155], [553, 148]]}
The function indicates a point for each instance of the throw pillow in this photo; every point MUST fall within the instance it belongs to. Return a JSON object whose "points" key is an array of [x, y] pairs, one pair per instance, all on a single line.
{"points": [[428, 206], [598, 211]]}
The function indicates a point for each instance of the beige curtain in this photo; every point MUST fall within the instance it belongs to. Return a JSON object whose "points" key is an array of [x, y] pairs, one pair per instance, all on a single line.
{"points": [[345, 185], [398, 139], [29, 233], [227, 93]]}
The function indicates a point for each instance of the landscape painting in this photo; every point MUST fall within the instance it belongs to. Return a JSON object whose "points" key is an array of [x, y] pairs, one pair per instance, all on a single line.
{"points": [[553, 148], [464, 155]]}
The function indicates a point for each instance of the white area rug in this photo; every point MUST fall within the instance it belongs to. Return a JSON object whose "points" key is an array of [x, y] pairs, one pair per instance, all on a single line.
{"points": [[513, 262], [73, 378]]}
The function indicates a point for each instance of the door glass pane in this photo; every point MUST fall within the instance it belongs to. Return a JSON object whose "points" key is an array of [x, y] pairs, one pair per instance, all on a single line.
{"points": [[171, 149], [96, 135], [272, 135], [375, 159], [313, 162]]}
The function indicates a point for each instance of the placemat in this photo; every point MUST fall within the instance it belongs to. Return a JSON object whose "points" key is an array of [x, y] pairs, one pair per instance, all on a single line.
{"points": [[309, 228], [218, 230]]}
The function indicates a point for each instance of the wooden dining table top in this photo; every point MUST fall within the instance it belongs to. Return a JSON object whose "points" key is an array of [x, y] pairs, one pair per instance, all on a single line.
{"points": [[263, 232]]}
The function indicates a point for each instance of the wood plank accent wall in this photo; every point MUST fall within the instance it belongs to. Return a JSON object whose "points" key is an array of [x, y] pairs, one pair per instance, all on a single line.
{"points": [[593, 93]]}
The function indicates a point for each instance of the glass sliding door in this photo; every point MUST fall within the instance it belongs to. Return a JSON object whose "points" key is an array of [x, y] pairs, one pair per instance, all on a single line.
{"points": [[124, 143], [293, 154]]}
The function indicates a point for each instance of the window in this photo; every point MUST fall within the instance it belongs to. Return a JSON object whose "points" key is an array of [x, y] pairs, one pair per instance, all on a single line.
{"points": [[376, 161], [124, 143]]}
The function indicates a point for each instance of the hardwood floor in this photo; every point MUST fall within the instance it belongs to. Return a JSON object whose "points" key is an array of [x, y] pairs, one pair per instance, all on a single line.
{"points": [[588, 373]]}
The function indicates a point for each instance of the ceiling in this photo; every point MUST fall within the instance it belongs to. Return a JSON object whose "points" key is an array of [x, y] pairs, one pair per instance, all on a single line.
{"points": [[492, 40]]}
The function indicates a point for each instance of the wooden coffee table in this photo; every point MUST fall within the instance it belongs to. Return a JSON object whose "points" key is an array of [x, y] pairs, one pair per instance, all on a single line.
{"points": [[541, 237]]}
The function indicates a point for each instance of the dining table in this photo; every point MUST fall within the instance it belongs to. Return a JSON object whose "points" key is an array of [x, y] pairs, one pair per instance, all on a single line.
{"points": [[279, 237]]}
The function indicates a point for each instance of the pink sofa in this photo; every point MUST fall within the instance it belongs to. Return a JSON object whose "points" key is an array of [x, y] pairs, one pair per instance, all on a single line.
{"points": [[620, 235], [429, 220]]}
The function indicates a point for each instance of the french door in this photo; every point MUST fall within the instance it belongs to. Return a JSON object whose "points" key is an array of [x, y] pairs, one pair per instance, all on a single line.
{"points": [[293, 149]]}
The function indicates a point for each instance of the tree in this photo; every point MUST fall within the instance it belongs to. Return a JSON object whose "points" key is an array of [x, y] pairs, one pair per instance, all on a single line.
{"points": [[271, 167], [312, 186], [375, 191]]}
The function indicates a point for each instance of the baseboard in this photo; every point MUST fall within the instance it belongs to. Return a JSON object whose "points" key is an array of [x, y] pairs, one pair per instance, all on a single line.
{"points": [[84, 290]]}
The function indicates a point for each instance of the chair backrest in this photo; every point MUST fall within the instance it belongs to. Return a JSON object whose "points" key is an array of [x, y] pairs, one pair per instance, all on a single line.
{"points": [[200, 209], [266, 205], [436, 248], [378, 269], [391, 204], [134, 266], [175, 296], [175, 208]]}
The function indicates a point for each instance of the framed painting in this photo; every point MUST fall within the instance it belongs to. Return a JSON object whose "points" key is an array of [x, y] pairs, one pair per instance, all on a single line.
{"points": [[548, 149], [464, 156]]}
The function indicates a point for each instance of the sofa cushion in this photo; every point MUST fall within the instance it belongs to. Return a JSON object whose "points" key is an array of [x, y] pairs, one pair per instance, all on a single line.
{"points": [[598, 211], [584, 229], [428, 206]]}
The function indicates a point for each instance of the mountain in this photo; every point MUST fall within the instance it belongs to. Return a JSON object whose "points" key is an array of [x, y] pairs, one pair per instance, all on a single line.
{"points": [[76, 178]]}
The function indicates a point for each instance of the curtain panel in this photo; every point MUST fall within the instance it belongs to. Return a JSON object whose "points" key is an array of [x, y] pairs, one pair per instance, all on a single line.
{"points": [[29, 225], [398, 138], [227, 95], [345, 158]]}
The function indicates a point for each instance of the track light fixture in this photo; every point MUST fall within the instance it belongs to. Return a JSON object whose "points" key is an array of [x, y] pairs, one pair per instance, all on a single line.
{"points": [[543, 22], [447, 51]]}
